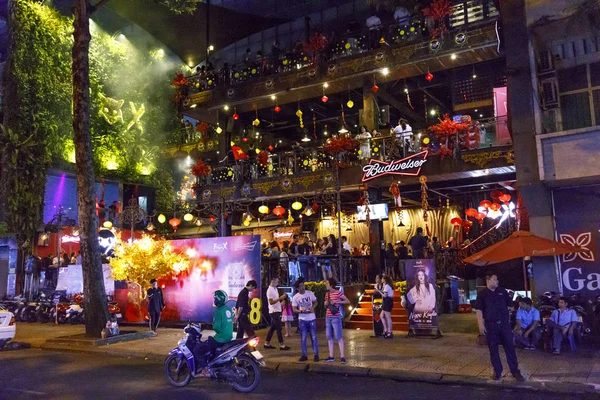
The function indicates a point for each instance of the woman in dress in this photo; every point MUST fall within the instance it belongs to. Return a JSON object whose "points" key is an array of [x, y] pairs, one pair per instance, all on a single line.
{"points": [[422, 295], [386, 309], [364, 140]]}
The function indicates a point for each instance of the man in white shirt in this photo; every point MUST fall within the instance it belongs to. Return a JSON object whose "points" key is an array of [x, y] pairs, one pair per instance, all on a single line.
{"points": [[403, 132], [274, 300], [401, 15], [562, 322], [304, 303], [373, 22], [346, 246]]}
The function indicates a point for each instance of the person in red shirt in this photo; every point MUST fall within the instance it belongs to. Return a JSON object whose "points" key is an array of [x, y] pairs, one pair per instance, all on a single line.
{"points": [[334, 300]]}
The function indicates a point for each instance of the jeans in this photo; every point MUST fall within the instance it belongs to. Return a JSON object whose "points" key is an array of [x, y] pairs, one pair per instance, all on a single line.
{"points": [[333, 328], [557, 334], [305, 327], [275, 326], [499, 333], [532, 340]]}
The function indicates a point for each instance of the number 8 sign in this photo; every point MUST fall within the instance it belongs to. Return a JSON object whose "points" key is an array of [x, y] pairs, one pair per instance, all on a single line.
{"points": [[255, 307]]}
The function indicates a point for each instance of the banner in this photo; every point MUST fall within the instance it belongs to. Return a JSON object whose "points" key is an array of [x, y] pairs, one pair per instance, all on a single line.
{"points": [[577, 214], [70, 279], [421, 297], [225, 263]]}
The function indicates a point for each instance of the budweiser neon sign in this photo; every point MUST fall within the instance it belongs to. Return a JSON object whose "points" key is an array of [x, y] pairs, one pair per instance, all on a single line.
{"points": [[409, 166]]}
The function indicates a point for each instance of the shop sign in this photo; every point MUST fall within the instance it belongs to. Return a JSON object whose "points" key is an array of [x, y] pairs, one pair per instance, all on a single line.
{"points": [[280, 235], [409, 166]]}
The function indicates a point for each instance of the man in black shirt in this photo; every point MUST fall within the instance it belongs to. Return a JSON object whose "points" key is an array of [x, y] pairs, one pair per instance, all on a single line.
{"points": [[492, 317], [294, 246], [418, 243], [243, 309], [156, 303]]}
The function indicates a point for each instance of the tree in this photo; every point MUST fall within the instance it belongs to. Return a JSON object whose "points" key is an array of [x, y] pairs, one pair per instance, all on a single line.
{"points": [[144, 259], [93, 282]]}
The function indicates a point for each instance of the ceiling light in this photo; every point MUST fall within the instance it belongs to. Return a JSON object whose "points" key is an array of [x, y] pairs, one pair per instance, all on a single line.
{"points": [[326, 85], [432, 111], [343, 130], [194, 106], [226, 107], [405, 90], [273, 97], [474, 75], [306, 138], [480, 115], [453, 56], [211, 47], [385, 71]]}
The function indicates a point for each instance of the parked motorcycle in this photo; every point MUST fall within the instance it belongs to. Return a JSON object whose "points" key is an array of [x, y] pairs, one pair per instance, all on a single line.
{"points": [[583, 329], [236, 362]]}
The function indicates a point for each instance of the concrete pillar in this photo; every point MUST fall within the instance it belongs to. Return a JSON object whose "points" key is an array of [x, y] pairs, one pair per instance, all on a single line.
{"points": [[376, 236], [369, 115]]}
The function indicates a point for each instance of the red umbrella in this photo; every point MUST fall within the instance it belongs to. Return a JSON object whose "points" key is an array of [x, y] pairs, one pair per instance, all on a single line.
{"points": [[520, 244]]}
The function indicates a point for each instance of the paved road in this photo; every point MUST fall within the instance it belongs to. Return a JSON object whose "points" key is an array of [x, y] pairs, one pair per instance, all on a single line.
{"points": [[37, 374]]}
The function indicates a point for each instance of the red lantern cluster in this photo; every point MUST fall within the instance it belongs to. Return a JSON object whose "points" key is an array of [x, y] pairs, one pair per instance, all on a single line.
{"points": [[456, 222]]}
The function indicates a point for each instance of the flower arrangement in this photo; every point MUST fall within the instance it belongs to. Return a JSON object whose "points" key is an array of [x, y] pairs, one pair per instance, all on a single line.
{"points": [[200, 169], [180, 80], [202, 127], [263, 158], [438, 11], [339, 145]]}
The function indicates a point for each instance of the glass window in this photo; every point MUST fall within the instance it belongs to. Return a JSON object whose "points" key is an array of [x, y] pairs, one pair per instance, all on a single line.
{"points": [[595, 74], [143, 202], [596, 96], [575, 110], [572, 78]]}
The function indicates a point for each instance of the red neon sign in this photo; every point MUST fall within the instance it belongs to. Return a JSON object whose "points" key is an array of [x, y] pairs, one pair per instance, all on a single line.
{"points": [[409, 166]]}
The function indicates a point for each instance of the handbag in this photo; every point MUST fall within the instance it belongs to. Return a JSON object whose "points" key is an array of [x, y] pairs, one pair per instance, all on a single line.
{"points": [[482, 340], [333, 309]]}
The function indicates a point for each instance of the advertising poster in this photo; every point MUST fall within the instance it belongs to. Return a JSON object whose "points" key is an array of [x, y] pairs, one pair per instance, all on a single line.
{"points": [[225, 263], [579, 273], [70, 279], [421, 297]]}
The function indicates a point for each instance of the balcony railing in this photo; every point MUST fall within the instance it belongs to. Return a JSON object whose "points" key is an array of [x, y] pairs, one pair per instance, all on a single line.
{"points": [[415, 29]]}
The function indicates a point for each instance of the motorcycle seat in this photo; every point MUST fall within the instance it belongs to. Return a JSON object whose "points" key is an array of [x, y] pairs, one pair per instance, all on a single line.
{"points": [[228, 345]]}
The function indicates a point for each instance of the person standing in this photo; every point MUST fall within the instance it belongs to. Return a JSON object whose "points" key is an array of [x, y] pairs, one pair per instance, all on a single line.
{"points": [[304, 303], [386, 309], [418, 243], [492, 317], [243, 309], [334, 299], [562, 322], [275, 300], [156, 303]]}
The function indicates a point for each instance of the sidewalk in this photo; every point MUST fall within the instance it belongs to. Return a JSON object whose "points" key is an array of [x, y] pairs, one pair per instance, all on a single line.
{"points": [[452, 359]]}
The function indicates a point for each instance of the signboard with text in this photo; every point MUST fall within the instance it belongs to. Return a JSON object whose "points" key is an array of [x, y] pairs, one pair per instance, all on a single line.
{"points": [[421, 297], [409, 166]]}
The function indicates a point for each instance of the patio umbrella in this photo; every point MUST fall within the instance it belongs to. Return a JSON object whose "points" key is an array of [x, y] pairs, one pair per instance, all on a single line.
{"points": [[520, 244]]}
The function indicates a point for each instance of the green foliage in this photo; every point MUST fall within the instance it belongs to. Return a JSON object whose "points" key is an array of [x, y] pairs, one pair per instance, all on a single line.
{"points": [[181, 6]]}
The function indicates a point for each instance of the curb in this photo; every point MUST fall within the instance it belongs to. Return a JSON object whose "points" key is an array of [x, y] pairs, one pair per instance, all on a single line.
{"points": [[567, 388]]}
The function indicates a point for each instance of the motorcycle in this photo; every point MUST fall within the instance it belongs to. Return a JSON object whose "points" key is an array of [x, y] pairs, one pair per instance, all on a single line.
{"points": [[75, 313], [236, 362], [583, 329]]}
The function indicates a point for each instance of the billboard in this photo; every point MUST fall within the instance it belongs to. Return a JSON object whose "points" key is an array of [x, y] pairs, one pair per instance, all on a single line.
{"points": [[421, 297]]}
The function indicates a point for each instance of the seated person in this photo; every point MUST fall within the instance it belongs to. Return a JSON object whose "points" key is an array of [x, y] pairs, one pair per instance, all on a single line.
{"points": [[562, 323], [223, 327], [528, 330]]}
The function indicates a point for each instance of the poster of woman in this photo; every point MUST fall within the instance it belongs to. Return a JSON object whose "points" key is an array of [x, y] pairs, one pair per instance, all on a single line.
{"points": [[421, 297]]}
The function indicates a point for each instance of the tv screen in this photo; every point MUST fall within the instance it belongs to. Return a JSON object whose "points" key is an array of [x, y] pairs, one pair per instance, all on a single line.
{"points": [[377, 211]]}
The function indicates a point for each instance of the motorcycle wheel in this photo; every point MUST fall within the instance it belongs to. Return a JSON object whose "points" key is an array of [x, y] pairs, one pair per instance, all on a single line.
{"points": [[177, 370], [253, 378]]}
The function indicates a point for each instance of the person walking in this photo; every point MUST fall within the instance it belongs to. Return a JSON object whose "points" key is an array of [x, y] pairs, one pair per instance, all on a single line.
{"points": [[304, 303], [275, 300], [243, 309], [492, 317], [156, 303], [334, 299]]}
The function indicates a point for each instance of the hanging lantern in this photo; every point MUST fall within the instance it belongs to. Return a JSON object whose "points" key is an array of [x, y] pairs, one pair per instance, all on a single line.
{"points": [[315, 207], [107, 224], [236, 116], [429, 77], [350, 104], [480, 217], [263, 209], [256, 122], [456, 222], [297, 205], [467, 226], [279, 211], [290, 219], [277, 109], [188, 217], [495, 194], [471, 212], [150, 227], [374, 88], [308, 211], [161, 218], [495, 207], [198, 222], [212, 218], [245, 139], [324, 99], [271, 148], [246, 222], [485, 203], [174, 222], [505, 198]]}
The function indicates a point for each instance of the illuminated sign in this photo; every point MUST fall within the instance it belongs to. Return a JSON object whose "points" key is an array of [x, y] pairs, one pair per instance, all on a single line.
{"points": [[409, 166], [277, 235], [106, 239]]}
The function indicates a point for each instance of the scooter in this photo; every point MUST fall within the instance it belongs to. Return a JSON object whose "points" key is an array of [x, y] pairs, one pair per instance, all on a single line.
{"points": [[236, 362]]}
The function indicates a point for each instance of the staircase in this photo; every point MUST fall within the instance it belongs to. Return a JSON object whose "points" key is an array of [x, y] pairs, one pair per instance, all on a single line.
{"points": [[362, 316]]}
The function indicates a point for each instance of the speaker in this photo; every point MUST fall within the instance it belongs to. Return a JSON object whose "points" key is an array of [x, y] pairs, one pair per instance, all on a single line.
{"points": [[236, 218]]}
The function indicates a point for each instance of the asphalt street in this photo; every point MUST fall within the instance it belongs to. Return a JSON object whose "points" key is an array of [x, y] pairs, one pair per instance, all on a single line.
{"points": [[38, 374]]}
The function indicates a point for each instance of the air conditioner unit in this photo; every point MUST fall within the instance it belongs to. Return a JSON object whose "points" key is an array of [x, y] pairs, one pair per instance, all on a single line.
{"points": [[545, 61], [549, 93]]}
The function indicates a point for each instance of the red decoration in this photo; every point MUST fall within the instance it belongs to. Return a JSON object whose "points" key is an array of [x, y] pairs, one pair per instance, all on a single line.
{"points": [[395, 191], [335, 146], [315, 207], [277, 109], [174, 222], [438, 11], [200, 169], [212, 218], [485, 203], [236, 116], [429, 77], [505, 198], [495, 195], [456, 221], [271, 148], [448, 127], [316, 43], [225, 215], [375, 88], [495, 207], [471, 212], [238, 153], [245, 139], [467, 226], [180, 80], [202, 127], [480, 218], [279, 211], [324, 99], [263, 158]]}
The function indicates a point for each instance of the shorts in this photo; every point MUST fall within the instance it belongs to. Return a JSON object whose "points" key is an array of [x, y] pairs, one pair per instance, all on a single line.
{"points": [[388, 304], [333, 327], [287, 318]]}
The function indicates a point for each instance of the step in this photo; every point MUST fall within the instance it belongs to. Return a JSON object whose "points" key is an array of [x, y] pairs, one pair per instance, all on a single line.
{"points": [[368, 304], [371, 291], [363, 325], [369, 311], [364, 317]]}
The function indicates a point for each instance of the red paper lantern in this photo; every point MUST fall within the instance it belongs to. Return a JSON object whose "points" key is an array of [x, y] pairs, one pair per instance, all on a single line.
{"points": [[324, 99], [467, 226], [279, 211], [315, 207], [245, 139], [277, 109], [236, 116], [271, 148], [471, 212], [212, 218], [505, 198], [174, 222], [495, 207], [485, 203], [429, 77], [456, 221], [375, 89], [495, 194]]}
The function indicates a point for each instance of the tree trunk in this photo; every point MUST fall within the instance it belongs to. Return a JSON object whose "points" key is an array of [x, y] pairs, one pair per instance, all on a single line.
{"points": [[96, 308]]}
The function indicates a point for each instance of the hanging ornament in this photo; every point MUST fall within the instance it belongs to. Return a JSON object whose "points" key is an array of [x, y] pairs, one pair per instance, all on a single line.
{"points": [[161, 218], [505, 198], [480, 217], [408, 101], [271, 148], [485, 203], [315, 207], [236, 116], [429, 76], [256, 121], [395, 191], [400, 214], [212, 218], [467, 226], [456, 222], [297, 205], [424, 202], [245, 139], [290, 219], [299, 115], [218, 129], [174, 222], [263, 209], [471, 212], [350, 104], [324, 99], [279, 211], [277, 109], [374, 88]]}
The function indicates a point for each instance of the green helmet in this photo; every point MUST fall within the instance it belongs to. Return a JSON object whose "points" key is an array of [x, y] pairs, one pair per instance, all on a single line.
{"points": [[220, 298]]}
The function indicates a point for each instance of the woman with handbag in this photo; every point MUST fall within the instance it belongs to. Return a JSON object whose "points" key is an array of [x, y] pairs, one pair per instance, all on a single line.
{"points": [[334, 299]]}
